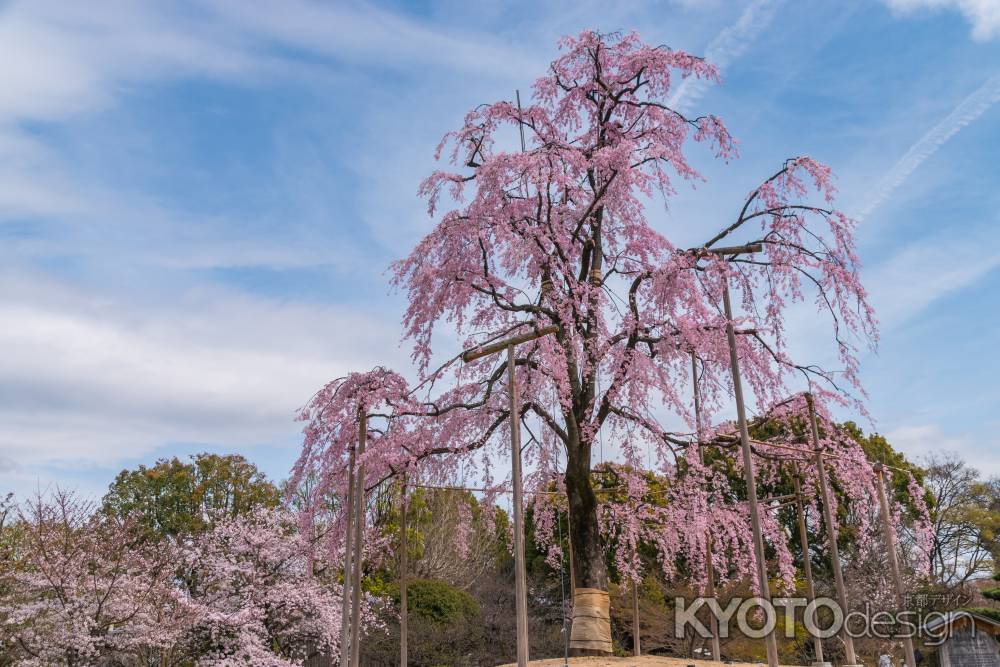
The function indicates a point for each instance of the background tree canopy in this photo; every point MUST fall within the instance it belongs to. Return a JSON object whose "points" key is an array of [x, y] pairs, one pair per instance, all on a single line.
{"points": [[173, 498]]}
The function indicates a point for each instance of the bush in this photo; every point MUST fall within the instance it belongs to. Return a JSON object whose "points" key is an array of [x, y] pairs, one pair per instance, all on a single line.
{"points": [[438, 601], [446, 627]]}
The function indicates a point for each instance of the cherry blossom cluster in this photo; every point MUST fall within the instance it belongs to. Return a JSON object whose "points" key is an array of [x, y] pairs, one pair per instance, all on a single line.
{"points": [[87, 588]]}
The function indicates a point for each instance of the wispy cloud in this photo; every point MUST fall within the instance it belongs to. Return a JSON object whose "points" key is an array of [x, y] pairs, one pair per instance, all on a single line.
{"points": [[920, 274], [984, 15], [374, 36], [970, 109], [927, 270], [726, 47]]}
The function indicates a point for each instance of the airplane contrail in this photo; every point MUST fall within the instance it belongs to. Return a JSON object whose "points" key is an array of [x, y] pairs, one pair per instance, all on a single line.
{"points": [[727, 46], [971, 108]]}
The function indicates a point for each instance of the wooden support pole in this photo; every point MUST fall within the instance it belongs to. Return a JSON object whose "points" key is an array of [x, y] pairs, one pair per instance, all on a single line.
{"points": [[806, 560], [890, 546], [345, 607], [360, 513], [520, 576], [636, 646], [831, 533], [404, 546], [748, 471], [713, 622]]}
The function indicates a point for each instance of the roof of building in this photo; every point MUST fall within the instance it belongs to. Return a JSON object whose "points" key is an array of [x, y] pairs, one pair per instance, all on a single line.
{"points": [[952, 616]]}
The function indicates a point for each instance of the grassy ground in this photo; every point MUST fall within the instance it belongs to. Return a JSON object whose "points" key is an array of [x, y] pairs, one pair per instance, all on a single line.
{"points": [[642, 661]]}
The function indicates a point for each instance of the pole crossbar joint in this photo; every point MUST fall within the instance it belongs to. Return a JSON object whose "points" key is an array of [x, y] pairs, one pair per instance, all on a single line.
{"points": [[492, 348]]}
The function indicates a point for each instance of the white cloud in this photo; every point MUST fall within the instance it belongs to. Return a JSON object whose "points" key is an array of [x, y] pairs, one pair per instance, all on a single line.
{"points": [[922, 440], [99, 379], [967, 111], [100, 376], [62, 59], [984, 15], [65, 61]]}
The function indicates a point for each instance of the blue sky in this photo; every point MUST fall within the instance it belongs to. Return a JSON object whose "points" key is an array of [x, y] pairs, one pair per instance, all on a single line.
{"points": [[198, 201]]}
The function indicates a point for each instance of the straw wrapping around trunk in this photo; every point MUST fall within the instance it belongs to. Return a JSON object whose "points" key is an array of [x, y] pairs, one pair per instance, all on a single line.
{"points": [[591, 620]]}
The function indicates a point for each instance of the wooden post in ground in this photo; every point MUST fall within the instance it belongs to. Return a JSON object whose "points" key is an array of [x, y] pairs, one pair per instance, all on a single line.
{"points": [[403, 572], [713, 622], [890, 546], [748, 471], [636, 646], [345, 607], [806, 560], [520, 576], [831, 534], [359, 536]]}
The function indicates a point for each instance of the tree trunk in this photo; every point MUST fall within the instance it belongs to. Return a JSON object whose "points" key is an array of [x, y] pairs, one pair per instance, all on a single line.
{"points": [[591, 629]]}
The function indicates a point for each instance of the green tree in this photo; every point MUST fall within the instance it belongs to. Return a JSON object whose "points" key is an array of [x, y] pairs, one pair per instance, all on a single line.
{"points": [[966, 518], [174, 498]]}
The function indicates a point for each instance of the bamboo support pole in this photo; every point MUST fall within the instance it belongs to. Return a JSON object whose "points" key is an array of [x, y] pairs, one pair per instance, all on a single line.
{"points": [[514, 341], [572, 572]]}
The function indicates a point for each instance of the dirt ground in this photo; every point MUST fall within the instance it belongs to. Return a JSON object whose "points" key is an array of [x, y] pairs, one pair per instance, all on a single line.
{"points": [[642, 661]]}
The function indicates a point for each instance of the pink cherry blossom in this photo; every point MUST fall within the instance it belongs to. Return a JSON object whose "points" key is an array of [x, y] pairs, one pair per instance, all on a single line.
{"points": [[558, 234]]}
